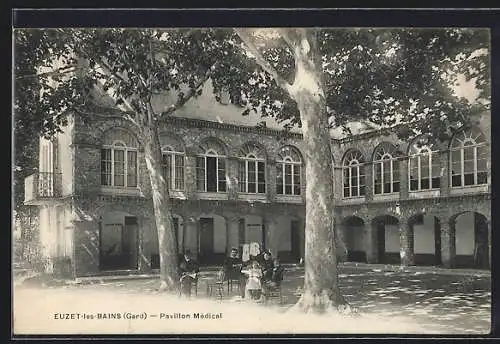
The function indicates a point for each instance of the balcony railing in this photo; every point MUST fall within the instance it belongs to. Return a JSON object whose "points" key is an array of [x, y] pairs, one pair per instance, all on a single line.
{"points": [[42, 185]]}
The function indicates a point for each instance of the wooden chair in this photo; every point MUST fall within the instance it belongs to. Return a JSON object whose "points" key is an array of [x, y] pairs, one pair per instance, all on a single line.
{"points": [[273, 290], [217, 285], [194, 285], [231, 282]]}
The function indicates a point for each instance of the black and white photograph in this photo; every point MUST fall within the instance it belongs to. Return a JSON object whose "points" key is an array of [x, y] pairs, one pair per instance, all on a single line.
{"points": [[251, 180]]}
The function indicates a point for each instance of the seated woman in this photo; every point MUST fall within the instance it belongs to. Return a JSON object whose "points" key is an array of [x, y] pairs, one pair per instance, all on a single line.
{"points": [[253, 285], [188, 271]]}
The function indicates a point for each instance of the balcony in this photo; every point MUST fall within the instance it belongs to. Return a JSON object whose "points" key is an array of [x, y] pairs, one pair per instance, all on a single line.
{"points": [[42, 186]]}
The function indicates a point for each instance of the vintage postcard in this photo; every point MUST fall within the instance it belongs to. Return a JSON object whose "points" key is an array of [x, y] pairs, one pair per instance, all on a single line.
{"points": [[247, 180]]}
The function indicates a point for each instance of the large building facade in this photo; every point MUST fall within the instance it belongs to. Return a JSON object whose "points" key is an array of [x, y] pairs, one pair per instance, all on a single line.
{"points": [[233, 184]]}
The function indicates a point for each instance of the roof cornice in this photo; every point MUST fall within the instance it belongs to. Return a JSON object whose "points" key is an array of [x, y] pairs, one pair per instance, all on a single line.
{"points": [[201, 123]]}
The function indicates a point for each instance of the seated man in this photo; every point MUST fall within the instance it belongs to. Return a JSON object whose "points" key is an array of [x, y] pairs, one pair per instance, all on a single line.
{"points": [[188, 271], [267, 266], [278, 271], [232, 265], [276, 275], [232, 268]]}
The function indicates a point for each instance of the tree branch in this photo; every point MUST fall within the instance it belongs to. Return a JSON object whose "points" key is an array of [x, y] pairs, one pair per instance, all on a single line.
{"points": [[172, 108], [119, 77], [110, 70], [58, 71], [285, 33], [245, 36]]}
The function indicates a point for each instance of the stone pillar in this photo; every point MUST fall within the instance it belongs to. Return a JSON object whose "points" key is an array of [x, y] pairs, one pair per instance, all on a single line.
{"points": [[406, 244], [303, 181], [403, 178], [271, 238], [371, 243], [232, 172], [341, 246], [271, 180], [143, 257], [338, 187], [182, 233], [190, 174], [444, 179], [448, 249], [302, 236], [191, 235], [368, 181], [232, 223]]}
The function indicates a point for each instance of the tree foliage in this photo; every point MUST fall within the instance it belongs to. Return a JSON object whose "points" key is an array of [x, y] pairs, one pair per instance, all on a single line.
{"points": [[383, 77]]}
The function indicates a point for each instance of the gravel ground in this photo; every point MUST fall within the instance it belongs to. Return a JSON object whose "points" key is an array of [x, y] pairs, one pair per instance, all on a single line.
{"points": [[392, 302]]}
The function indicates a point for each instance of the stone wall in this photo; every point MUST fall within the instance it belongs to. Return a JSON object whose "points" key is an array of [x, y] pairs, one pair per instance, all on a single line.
{"points": [[91, 200]]}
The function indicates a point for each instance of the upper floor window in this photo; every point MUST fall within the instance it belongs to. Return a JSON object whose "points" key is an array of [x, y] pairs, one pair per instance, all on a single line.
{"points": [[353, 174], [469, 156], [47, 156], [385, 169], [119, 159], [211, 168], [173, 168], [423, 165], [252, 170], [288, 172]]}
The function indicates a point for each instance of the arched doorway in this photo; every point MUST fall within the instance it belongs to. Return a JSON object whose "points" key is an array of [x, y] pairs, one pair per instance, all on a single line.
{"points": [[212, 239], [426, 239], [286, 238], [353, 229], [118, 241], [472, 242], [386, 237]]}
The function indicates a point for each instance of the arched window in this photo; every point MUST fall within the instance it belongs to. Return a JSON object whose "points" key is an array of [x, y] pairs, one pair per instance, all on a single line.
{"points": [[288, 172], [119, 159], [211, 168], [423, 165], [252, 170], [469, 156], [173, 167], [385, 170], [353, 174]]}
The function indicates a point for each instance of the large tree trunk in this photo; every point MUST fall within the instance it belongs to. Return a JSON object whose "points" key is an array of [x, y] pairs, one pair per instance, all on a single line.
{"points": [[161, 208], [321, 292]]}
